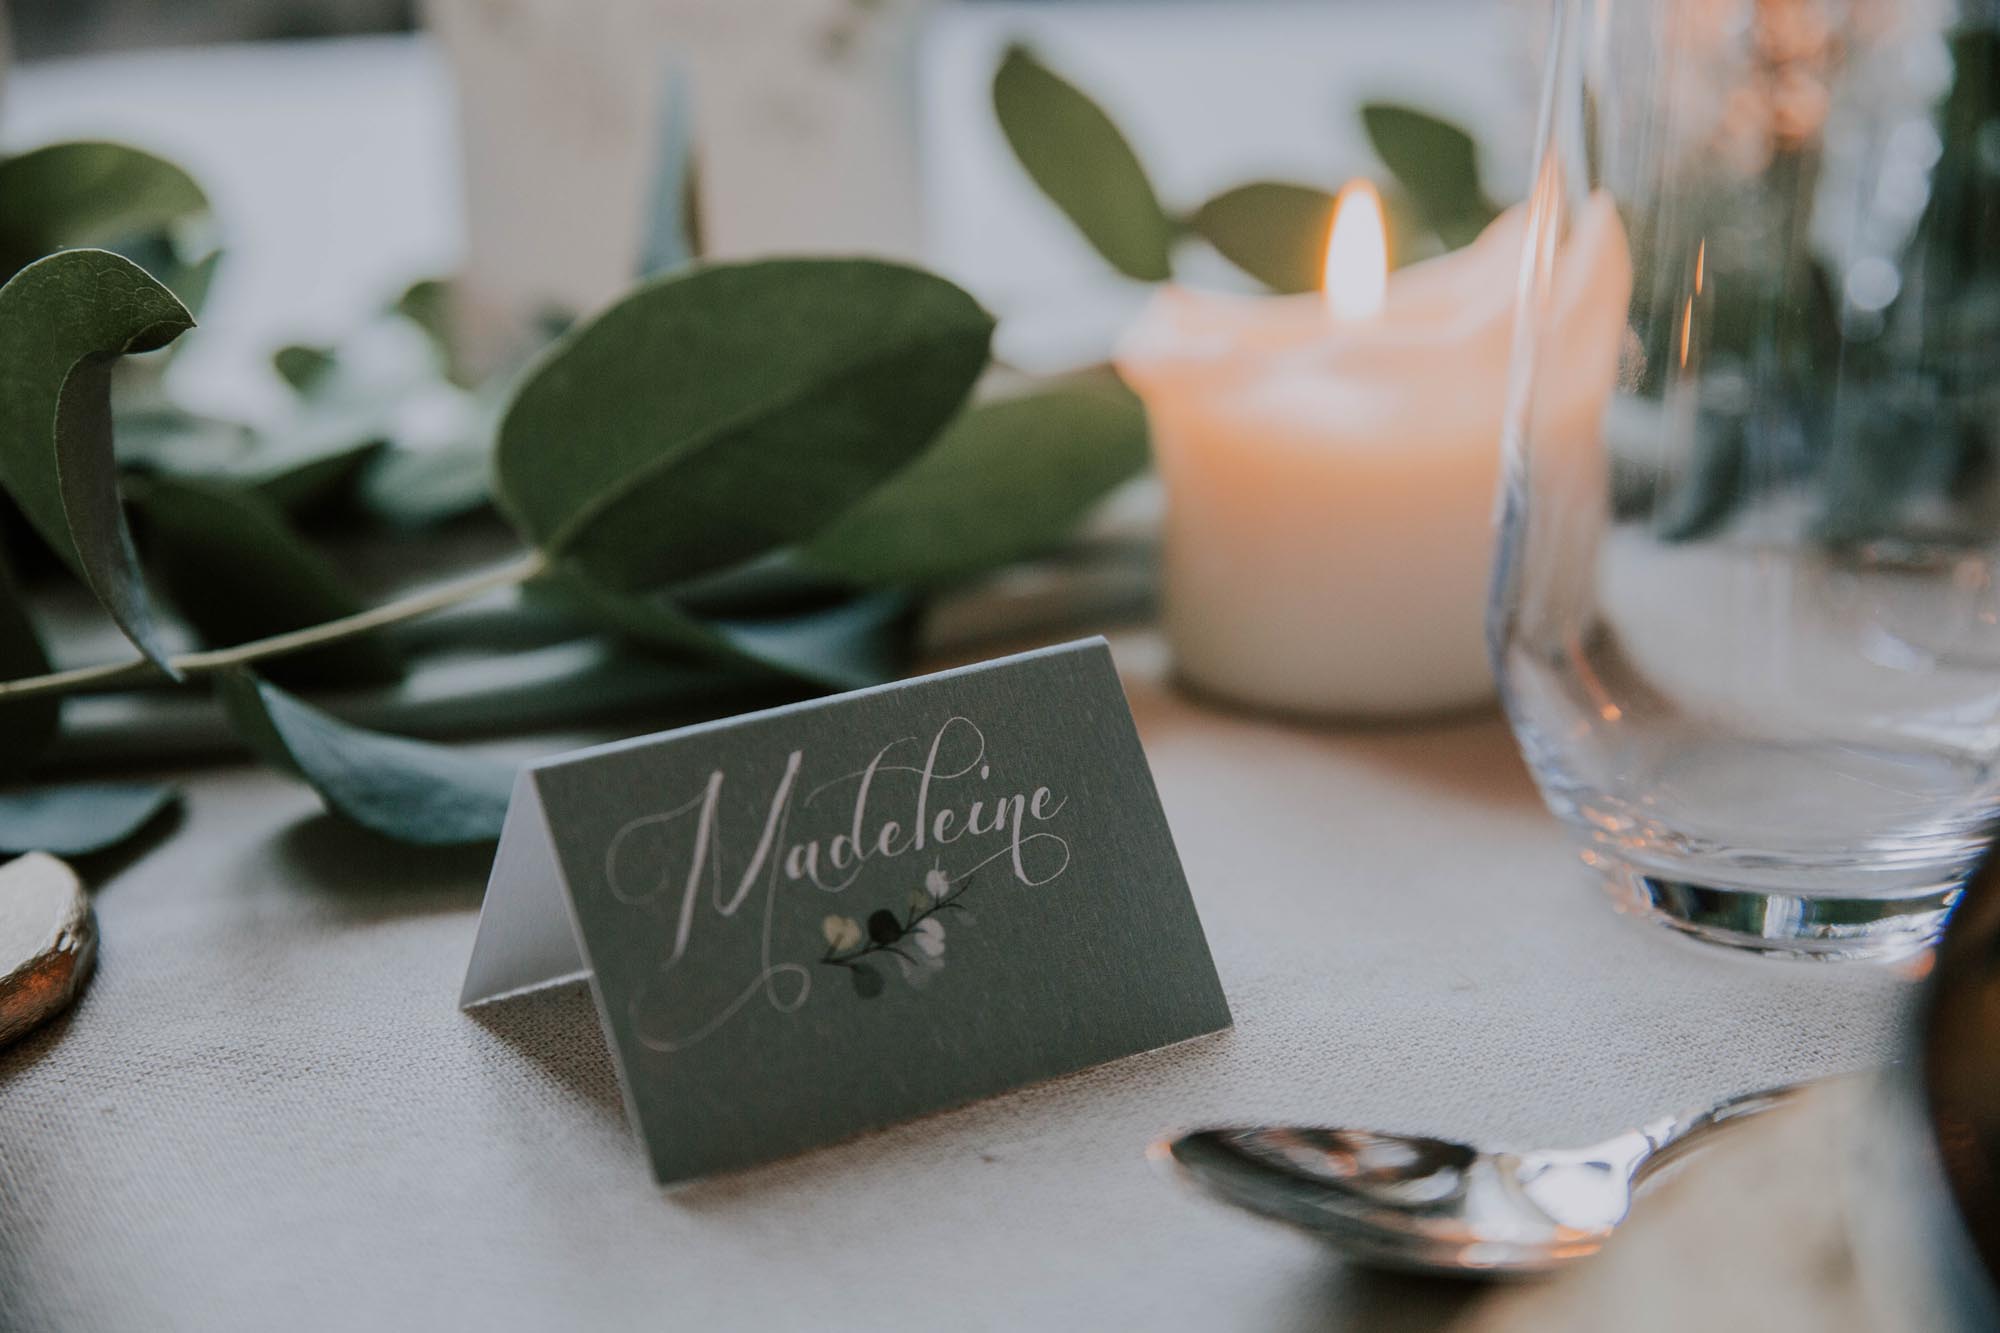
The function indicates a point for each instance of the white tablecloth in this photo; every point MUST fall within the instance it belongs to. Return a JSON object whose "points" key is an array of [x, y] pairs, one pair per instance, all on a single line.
{"points": [[267, 1113]]}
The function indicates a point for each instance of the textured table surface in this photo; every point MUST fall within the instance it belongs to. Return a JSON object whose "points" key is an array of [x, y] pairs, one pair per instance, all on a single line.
{"points": [[267, 1113]]}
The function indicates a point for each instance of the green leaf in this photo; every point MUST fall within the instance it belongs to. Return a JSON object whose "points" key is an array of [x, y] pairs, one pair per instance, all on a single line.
{"points": [[860, 642], [867, 981], [1437, 165], [89, 193], [419, 488], [1009, 479], [79, 820], [160, 254], [64, 321], [883, 928], [427, 303], [403, 789], [723, 412], [302, 366], [26, 725], [1084, 165], [171, 440], [295, 485], [1274, 231], [238, 571], [1277, 231]]}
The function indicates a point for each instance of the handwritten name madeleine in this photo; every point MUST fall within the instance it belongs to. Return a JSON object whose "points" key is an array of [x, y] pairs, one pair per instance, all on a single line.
{"points": [[896, 806]]}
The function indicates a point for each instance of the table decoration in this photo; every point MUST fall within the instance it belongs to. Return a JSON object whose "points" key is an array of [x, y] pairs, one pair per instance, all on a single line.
{"points": [[749, 476], [1744, 621], [1330, 463], [48, 942], [1273, 231], [1329, 459], [806, 922]]}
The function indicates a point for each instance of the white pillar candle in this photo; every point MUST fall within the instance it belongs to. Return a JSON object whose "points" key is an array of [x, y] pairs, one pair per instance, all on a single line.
{"points": [[1330, 462]]}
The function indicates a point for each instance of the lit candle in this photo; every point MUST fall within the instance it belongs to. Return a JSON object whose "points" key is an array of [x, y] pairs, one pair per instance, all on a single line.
{"points": [[1330, 461]]}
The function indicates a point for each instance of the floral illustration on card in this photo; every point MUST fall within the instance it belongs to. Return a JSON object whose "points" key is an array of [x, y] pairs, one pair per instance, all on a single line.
{"points": [[912, 941]]}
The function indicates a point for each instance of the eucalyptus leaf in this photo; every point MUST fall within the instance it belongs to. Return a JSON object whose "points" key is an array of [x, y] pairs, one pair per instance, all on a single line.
{"points": [[170, 440], [64, 321], [771, 587], [1007, 480], [722, 412], [403, 789], [88, 193], [1277, 231], [862, 641], [428, 303], [161, 254], [297, 485], [419, 488], [1082, 162], [26, 725], [238, 571], [1437, 165], [1272, 230], [301, 365], [79, 820]]}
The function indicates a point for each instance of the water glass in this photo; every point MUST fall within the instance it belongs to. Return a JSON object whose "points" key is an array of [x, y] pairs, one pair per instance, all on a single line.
{"points": [[1744, 613]]}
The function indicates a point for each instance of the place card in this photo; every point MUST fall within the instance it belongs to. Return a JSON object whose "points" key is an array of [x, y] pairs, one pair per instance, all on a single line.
{"points": [[815, 920]]}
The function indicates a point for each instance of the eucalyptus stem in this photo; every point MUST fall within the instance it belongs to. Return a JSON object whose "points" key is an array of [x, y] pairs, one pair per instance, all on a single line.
{"points": [[139, 671]]}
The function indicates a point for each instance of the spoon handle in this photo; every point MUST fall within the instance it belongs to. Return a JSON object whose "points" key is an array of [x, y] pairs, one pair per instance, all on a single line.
{"points": [[1674, 1136]]}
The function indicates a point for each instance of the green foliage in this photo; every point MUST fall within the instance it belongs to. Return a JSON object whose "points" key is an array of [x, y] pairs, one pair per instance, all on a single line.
{"points": [[237, 570], [88, 193], [750, 472], [1437, 165], [1083, 163], [26, 726], [416, 489], [64, 320], [752, 402], [301, 366], [861, 641], [1006, 481], [403, 789], [79, 820], [1275, 231], [1272, 230]]}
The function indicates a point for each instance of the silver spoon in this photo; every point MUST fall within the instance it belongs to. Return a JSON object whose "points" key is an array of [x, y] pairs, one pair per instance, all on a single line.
{"points": [[1434, 1206]]}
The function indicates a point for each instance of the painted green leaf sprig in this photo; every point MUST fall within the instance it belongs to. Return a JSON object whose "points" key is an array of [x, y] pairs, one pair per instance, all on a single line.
{"points": [[914, 938]]}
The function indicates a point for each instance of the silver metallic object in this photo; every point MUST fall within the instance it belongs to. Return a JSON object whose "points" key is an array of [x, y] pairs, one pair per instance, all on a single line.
{"points": [[1436, 1206]]}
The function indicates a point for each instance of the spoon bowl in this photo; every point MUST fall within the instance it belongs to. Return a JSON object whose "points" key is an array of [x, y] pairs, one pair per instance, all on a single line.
{"points": [[1432, 1205]]}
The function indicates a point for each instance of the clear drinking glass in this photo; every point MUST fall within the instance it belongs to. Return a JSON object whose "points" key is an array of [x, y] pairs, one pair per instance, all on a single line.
{"points": [[1744, 612]]}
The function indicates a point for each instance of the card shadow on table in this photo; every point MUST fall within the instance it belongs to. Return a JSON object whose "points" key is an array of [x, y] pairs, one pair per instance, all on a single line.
{"points": [[555, 1029], [995, 1129]]}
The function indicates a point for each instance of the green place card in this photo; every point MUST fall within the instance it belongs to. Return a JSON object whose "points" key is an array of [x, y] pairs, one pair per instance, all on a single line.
{"points": [[812, 921]]}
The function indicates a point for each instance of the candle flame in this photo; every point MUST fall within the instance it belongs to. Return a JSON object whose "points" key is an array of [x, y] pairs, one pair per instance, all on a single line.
{"points": [[1357, 254]]}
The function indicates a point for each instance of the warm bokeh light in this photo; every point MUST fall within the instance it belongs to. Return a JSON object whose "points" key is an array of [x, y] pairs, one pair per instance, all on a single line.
{"points": [[1357, 254]]}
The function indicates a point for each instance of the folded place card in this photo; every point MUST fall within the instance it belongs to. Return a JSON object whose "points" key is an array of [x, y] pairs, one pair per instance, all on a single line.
{"points": [[810, 921]]}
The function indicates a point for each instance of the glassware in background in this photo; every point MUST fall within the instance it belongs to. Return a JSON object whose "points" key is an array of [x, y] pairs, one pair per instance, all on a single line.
{"points": [[1745, 620]]}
